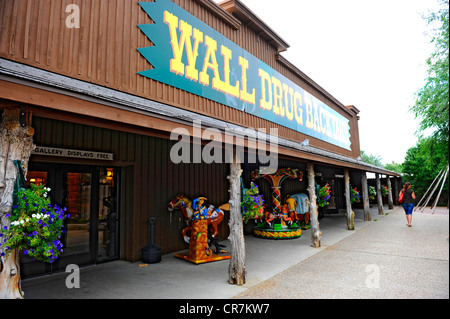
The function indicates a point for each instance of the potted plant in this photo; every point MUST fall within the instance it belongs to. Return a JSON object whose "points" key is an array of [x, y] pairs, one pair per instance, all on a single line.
{"points": [[252, 204], [384, 190], [355, 197], [35, 227], [323, 198], [372, 193]]}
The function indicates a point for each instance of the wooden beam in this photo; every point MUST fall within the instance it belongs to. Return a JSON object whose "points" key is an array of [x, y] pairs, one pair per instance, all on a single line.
{"points": [[16, 143], [365, 196], [236, 270], [379, 197], [390, 200], [348, 204], [315, 231]]}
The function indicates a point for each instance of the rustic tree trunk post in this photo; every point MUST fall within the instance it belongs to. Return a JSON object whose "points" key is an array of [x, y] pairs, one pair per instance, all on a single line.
{"points": [[389, 186], [365, 196], [315, 231], [236, 270], [16, 143], [396, 191], [379, 197], [348, 204]]}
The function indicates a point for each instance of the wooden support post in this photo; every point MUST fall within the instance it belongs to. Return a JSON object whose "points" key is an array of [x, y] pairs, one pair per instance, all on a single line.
{"points": [[396, 191], [348, 204], [236, 270], [16, 143], [365, 196], [315, 231], [379, 197], [389, 186]]}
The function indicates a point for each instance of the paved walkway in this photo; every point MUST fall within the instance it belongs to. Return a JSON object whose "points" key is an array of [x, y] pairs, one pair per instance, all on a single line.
{"points": [[385, 260], [382, 258]]}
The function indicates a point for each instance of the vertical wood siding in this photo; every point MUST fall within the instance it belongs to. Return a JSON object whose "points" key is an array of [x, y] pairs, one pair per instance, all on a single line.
{"points": [[149, 182], [104, 51]]}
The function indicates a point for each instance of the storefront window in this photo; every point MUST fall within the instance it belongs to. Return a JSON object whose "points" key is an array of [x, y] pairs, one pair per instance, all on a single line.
{"points": [[38, 178]]}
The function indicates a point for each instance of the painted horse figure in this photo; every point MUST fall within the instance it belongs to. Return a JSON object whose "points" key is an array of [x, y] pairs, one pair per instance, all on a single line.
{"points": [[290, 209], [214, 218]]}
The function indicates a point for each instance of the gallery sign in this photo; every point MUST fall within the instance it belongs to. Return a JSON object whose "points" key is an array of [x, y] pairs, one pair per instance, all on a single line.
{"points": [[62, 152], [192, 56]]}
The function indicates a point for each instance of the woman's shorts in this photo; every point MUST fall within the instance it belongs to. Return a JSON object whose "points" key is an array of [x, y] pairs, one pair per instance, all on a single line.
{"points": [[408, 208]]}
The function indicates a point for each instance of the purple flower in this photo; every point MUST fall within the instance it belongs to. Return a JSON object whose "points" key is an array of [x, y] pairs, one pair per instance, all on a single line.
{"points": [[34, 233], [26, 252]]}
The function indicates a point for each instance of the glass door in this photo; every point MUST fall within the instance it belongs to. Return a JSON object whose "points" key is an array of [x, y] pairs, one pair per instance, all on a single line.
{"points": [[90, 195], [78, 196]]}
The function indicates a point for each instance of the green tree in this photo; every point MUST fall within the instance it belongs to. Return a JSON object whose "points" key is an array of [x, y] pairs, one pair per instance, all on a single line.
{"points": [[432, 100], [394, 167], [371, 159], [422, 164]]}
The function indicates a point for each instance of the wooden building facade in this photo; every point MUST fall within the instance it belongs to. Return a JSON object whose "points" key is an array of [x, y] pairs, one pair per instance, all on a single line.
{"points": [[77, 66]]}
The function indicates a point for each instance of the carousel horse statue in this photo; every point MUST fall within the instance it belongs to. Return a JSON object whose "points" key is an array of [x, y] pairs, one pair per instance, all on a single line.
{"points": [[195, 209]]}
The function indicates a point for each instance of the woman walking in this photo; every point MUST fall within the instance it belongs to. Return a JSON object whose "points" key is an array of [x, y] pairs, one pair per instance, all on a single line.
{"points": [[408, 202]]}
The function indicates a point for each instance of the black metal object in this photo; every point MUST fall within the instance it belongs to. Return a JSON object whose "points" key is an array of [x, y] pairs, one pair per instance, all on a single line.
{"points": [[152, 253], [213, 242]]}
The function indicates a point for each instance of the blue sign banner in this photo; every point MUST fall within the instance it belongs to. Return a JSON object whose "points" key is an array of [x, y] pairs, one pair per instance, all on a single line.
{"points": [[190, 55]]}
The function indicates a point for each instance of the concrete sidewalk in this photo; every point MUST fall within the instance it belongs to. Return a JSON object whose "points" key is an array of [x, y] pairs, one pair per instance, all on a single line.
{"points": [[412, 262], [386, 260]]}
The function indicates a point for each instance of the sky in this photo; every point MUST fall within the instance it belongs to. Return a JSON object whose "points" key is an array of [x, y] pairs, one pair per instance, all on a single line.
{"points": [[370, 54]]}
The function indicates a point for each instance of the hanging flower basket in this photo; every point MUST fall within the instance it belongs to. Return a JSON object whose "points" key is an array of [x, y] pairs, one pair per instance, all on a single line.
{"points": [[372, 193], [252, 204], [384, 190], [355, 197], [324, 196], [35, 226]]}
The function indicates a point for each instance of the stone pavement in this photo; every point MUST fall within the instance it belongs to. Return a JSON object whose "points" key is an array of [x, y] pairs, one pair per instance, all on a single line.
{"points": [[382, 258]]}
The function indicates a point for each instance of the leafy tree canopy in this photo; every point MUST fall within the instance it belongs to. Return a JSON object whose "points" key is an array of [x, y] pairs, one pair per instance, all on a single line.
{"points": [[423, 163], [371, 159], [432, 101], [394, 167]]}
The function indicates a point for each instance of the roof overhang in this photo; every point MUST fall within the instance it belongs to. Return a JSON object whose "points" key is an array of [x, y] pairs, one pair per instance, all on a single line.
{"points": [[30, 77], [247, 17]]}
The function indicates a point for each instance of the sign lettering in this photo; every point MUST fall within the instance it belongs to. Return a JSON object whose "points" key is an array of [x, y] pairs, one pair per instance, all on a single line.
{"points": [[192, 56], [50, 151]]}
